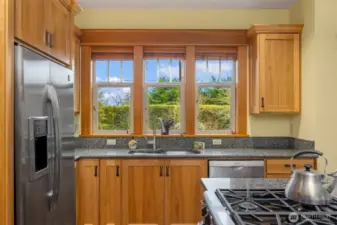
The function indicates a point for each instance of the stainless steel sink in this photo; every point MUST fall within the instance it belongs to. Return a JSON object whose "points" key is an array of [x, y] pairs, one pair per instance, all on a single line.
{"points": [[181, 151], [146, 151], [165, 151]]}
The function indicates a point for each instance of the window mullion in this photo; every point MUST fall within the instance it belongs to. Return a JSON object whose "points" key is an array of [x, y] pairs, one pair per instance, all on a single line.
{"points": [[207, 70], [219, 69], [170, 70], [157, 71], [108, 72], [121, 71]]}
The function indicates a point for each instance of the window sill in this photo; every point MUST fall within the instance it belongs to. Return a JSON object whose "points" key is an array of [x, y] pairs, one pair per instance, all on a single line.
{"points": [[165, 136]]}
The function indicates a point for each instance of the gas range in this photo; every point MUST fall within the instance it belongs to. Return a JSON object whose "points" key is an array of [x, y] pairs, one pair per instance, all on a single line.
{"points": [[271, 207]]}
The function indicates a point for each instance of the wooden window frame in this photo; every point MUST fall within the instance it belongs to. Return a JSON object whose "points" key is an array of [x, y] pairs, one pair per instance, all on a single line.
{"points": [[119, 43], [95, 108], [157, 53]]}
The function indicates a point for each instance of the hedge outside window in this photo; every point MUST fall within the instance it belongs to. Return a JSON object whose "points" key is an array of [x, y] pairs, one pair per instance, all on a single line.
{"points": [[112, 94], [163, 90]]}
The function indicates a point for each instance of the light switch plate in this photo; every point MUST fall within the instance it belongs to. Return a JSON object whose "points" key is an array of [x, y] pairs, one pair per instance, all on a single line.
{"points": [[111, 142], [216, 141]]}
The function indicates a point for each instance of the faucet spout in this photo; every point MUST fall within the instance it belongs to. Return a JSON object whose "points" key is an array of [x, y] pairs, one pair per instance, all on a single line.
{"points": [[155, 132]]}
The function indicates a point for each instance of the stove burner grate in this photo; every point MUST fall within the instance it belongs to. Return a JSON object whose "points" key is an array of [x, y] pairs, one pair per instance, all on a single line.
{"points": [[248, 206], [271, 207]]}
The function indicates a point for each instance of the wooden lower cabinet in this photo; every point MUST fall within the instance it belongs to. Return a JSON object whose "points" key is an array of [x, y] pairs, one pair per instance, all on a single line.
{"points": [[87, 192], [110, 192], [143, 192], [183, 190], [139, 191]]}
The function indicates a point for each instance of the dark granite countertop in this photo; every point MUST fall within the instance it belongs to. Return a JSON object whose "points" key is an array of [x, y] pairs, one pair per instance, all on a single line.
{"points": [[207, 153], [218, 211]]}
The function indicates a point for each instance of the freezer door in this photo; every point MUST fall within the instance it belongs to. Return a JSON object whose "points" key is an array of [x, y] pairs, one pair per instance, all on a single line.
{"points": [[62, 81], [33, 148]]}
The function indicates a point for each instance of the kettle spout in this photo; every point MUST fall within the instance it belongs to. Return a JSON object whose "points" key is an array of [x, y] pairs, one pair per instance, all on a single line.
{"points": [[332, 186]]}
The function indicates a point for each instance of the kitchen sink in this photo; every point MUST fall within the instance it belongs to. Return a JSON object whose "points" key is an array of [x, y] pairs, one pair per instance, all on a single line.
{"points": [[146, 151], [165, 151], [181, 151]]}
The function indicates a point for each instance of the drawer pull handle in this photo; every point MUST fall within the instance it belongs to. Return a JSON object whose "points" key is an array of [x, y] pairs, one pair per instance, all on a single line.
{"points": [[117, 171], [161, 171], [288, 165], [95, 171], [167, 171]]}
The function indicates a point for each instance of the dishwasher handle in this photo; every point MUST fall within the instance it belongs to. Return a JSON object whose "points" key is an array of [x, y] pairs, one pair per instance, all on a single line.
{"points": [[225, 163]]}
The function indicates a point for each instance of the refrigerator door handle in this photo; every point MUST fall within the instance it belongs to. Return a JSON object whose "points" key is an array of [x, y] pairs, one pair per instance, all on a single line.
{"points": [[58, 159], [56, 110], [53, 194]]}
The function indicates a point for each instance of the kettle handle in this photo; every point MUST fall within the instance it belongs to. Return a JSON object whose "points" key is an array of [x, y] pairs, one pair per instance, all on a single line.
{"points": [[304, 152]]}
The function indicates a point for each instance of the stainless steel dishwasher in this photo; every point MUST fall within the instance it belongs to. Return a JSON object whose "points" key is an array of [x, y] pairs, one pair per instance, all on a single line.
{"points": [[236, 169]]}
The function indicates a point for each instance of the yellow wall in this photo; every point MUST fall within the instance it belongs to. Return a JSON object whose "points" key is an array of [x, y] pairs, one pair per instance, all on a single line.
{"points": [[318, 120], [304, 125], [196, 19], [178, 19]]}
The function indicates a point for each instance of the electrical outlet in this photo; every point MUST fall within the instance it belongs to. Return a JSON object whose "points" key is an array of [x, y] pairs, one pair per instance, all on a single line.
{"points": [[111, 142], [216, 141]]}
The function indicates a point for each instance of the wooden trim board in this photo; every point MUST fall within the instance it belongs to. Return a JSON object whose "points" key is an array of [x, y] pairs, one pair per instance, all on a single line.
{"points": [[6, 112], [86, 96], [169, 37]]}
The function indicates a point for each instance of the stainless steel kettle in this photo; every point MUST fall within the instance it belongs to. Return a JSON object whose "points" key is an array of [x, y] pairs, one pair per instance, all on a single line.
{"points": [[307, 186]]}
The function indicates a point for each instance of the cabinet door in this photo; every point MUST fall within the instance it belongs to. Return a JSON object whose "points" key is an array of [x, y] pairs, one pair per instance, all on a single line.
{"points": [[110, 192], [183, 192], [87, 192], [143, 192], [60, 22], [29, 22], [279, 72]]}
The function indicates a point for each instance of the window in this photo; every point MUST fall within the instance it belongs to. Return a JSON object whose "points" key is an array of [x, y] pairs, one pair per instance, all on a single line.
{"points": [[112, 94], [200, 90], [163, 91], [215, 87]]}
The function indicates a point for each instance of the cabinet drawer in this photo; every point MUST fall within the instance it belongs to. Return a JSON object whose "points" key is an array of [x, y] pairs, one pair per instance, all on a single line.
{"points": [[282, 166], [279, 175]]}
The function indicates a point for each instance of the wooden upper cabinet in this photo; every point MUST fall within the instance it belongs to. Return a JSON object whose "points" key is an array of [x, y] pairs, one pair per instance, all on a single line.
{"points": [[275, 68], [30, 22], [60, 26], [143, 192], [110, 192], [87, 192], [46, 26], [183, 191]]}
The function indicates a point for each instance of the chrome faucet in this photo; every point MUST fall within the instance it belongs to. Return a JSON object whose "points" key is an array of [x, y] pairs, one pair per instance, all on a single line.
{"points": [[154, 131]]}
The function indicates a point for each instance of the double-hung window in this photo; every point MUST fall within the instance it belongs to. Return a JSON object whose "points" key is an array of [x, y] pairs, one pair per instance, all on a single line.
{"points": [[112, 93], [164, 91], [215, 92]]}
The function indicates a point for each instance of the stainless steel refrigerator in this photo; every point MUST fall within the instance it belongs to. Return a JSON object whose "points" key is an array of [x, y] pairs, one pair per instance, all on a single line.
{"points": [[44, 143]]}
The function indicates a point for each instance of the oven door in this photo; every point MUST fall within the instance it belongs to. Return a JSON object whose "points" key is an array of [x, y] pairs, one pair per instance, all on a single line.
{"points": [[236, 169]]}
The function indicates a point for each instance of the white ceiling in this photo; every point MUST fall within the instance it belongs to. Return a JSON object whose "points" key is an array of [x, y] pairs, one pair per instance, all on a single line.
{"points": [[187, 4]]}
